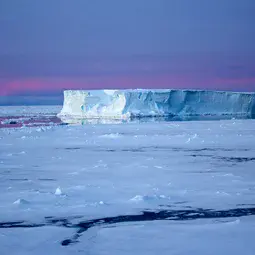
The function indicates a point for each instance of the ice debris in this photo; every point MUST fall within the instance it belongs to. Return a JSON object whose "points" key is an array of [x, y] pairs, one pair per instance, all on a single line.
{"points": [[58, 192], [21, 202]]}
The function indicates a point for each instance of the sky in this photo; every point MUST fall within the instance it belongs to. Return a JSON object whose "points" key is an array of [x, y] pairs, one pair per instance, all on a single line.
{"points": [[48, 46]]}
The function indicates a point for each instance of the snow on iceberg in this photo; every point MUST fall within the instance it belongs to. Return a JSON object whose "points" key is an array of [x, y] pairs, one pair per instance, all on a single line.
{"points": [[125, 104]]}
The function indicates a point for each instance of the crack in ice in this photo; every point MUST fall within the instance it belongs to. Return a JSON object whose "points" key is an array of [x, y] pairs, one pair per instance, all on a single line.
{"points": [[171, 215]]}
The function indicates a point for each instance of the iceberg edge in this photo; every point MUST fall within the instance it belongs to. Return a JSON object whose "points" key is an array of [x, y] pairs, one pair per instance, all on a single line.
{"points": [[140, 103]]}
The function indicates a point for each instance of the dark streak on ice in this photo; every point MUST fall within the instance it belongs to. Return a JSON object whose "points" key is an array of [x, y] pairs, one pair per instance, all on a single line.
{"points": [[236, 159], [74, 148], [227, 159], [46, 179], [154, 148], [167, 148], [18, 179], [13, 122], [174, 149], [20, 224], [201, 155], [173, 215], [216, 149]]}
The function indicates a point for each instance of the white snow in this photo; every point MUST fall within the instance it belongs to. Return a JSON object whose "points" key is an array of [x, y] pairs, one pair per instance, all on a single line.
{"points": [[122, 104], [118, 170], [49, 110], [20, 202], [58, 191]]}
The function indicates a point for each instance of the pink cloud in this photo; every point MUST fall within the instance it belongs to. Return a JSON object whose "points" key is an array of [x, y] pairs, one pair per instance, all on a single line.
{"points": [[18, 86], [196, 71]]}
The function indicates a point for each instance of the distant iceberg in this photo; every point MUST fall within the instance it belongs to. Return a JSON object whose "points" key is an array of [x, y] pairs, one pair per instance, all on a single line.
{"points": [[138, 103]]}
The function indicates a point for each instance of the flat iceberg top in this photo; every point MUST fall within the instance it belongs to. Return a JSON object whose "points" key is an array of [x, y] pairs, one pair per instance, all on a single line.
{"points": [[124, 104]]}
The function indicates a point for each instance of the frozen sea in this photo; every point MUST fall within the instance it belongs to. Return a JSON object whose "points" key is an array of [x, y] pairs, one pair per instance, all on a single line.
{"points": [[175, 187]]}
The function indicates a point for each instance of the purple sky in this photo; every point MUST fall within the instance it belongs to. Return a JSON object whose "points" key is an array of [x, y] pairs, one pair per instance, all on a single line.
{"points": [[47, 46]]}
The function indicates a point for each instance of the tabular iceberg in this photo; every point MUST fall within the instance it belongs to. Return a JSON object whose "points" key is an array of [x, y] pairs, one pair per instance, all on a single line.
{"points": [[125, 104]]}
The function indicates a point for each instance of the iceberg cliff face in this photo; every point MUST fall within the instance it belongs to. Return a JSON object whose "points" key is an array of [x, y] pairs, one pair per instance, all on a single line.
{"points": [[123, 104]]}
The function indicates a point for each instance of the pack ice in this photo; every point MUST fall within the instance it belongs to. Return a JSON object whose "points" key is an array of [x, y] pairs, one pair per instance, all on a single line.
{"points": [[124, 104]]}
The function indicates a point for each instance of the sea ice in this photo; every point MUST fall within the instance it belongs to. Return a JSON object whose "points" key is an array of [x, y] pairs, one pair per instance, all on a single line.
{"points": [[147, 184]]}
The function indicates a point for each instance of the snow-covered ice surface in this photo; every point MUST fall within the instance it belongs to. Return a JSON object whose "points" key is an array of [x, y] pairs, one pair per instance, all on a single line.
{"points": [[33, 110], [20, 116], [134, 188]]}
